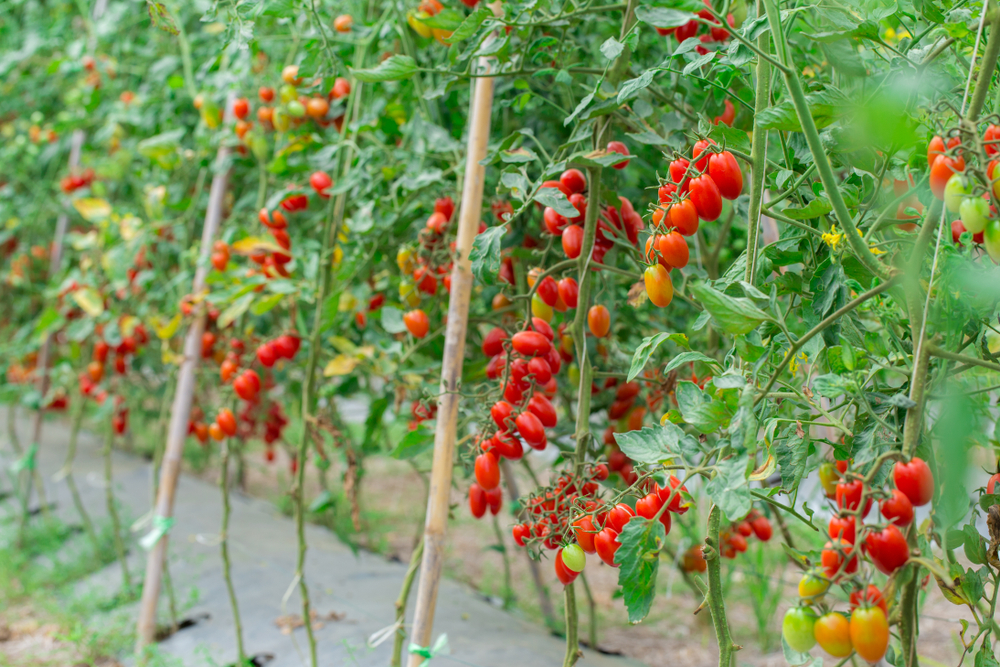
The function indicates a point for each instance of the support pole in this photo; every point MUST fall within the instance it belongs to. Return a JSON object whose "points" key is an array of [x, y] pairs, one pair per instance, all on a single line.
{"points": [[180, 413], [436, 523]]}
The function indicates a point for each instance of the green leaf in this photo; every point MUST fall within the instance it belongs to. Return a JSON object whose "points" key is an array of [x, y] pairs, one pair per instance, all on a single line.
{"points": [[648, 138], [814, 209], [235, 309], [792, 455], [160, 17], [612, 48], [414, 443], [988, 500], [830, 385], [321, 503], [687, 357], [446, 19], [633, 86], [662, 17], [730, 137], [392, 320], [485, 254], [394, 68], [646, 348], [733, 315], [554, 198], [518, 156], [701, 410], [729, 488], [579, 108], [266, 304], [975, 549], [517, 183], [469, 26], [698, 62], [639, 557], [49, 321], [654, 444], [825, 107]]}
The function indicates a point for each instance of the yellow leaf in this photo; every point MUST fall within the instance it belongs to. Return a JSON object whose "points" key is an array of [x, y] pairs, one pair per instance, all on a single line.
{"points": [[127, 324], [128, 227], [92, 209], [169, 357], [340, 365], [89, 300], [253, 244], [343, 345], [765, 470], [347, 302], [166, 330]]}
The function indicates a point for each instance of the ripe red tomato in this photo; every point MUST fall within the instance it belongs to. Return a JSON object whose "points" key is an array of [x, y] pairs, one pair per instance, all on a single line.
{"points": [[618, 516], [542, 408], [507, 446], [320, 181], [674, 249], [843, 527], [520, 532], [869, 597], [599, 320], [548, 290], [531, 343], [585, 533], [762, 528], [738, 542], [572, 241], [286, 346], [659, 287], [540, 368], [648, 506], [266, 93], [554, 222], [887, 549], [849, 496], [226, 421], [241, 107], [915, 480], [569, 291], [694, 560], [678, 170], [991, 485], [725, 171], [870, 633], [530, 427], [216, 432], [417, 323], [701, 147], [706, 198], [477, 501], [267, 355], [487, 470], [494, 498], [493, 342], [501, 412], [606, 544], [897, 507], [573, 180], [833, 556], [683, 216], [618, 147], [565, 575], [579, 202]]}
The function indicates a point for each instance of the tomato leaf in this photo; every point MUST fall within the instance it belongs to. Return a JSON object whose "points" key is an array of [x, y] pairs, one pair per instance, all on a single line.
{"points": [[485, 254], [730, 137], [633, 86], [612, 48], [414, 443], [814, 209], [729, 488], [734, 315], [688, 357], [700, 410], [792, 453], [646, 348], [662, 17], [446, 19], [639, 557], [554, 198], [395, 68], [392, 320], [654, 444]]}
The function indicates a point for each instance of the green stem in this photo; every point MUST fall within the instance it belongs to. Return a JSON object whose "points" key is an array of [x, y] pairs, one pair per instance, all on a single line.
{"points": [[404, 595], [758, 153], [986, 69], [716, 600], [224, 547], [592, 612], [822, 161], [572, 640], [109, 496]]}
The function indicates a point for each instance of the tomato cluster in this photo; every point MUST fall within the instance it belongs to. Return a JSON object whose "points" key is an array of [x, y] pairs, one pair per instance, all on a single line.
{"points": [[90, 379], [866, 630], [715, 33]]}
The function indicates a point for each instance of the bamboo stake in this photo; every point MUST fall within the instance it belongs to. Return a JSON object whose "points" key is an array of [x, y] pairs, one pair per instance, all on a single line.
{"points": [[180, 413], [436, 523]]}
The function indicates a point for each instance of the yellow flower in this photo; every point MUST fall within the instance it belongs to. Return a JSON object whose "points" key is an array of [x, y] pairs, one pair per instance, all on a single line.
{"points": [[877, 251], [793, 365], [833, 238]]}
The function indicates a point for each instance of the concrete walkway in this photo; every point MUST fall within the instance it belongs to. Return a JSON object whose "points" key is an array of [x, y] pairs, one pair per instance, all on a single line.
{"points": [[359, 589]]}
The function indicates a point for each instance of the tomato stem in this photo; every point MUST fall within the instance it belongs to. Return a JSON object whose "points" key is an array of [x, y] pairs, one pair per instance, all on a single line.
{"points": [[758, 151]]}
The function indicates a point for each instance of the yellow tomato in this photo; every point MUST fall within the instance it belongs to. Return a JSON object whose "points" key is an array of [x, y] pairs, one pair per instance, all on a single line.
{"points": [[541, 309]]}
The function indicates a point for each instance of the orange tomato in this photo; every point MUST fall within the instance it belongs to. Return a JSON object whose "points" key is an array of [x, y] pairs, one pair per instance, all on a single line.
{"points": [[833, 634], [869, 632], [599, 320]]}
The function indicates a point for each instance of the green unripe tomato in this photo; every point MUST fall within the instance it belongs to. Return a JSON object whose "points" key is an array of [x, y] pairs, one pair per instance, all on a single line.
{"points": [[975, 212], [574, 558], [956, 190], [829, 478], [288, 93], [797, 628], [295, 109], [991, 239], [280, 120], [574, 375]]}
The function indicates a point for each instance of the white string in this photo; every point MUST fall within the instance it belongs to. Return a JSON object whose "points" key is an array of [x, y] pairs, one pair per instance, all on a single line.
{"points": [[975, 51]]}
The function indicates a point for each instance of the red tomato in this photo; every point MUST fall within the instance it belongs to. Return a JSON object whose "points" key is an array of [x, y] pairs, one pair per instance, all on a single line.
{"points": [[542, 408], [725, 171], [530, 427], [548, 290], [573, 180], [494, 498], [606, 544], [618, 516], [477, 501], [699, 148], [520, 532], [565, 575], [872, 597], [833, 556], [320, 181], [501, 412], [599, 320], [706, 198], [678, 170], [226, 421], [683, 216], [417, 323], [674, 249], [579, 202], [266, 93], [991, 139], [287, 345], [493, 342], [943, 169], [569, 291], [487, 470], [659, 287], [554, 222], [241, 107], [915, 480], [897, 507], [585, 533], [572, 241], [843, 528], [649, 505], [849, 496], [762, 528], [267, 355], [618, 147], [540, 369], [991, 485], [887, 549], [531, 343]]}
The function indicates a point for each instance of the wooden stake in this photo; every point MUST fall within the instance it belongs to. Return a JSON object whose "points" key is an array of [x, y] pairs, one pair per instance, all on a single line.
{"points": [[180, 413], [436, 523]]}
